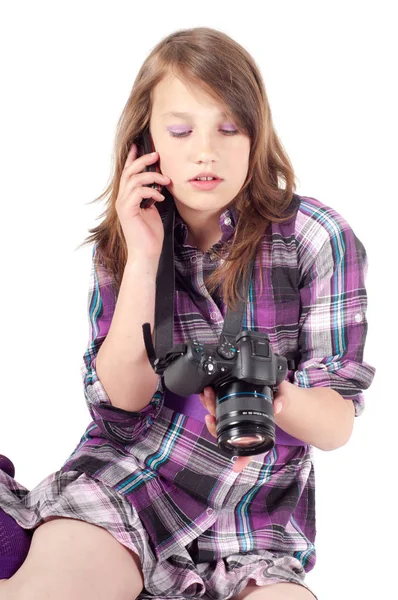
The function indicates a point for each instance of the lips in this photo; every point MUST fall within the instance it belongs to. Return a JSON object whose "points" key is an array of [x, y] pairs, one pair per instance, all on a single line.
{"points": [[205, 185], [206, 174]]}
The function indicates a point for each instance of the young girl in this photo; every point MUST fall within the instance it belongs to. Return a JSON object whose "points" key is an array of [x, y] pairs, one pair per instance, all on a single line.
{"points": [[147, 506]]}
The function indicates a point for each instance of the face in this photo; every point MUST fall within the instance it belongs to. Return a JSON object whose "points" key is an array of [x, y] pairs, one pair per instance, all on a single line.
{"points": [[202, 140]]}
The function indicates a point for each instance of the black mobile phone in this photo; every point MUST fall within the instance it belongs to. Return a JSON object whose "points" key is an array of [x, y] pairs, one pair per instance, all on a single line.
{"points": [[145, 145]]}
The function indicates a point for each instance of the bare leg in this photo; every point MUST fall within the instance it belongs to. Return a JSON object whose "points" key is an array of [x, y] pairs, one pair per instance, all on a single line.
{"points": [[274, 591], [68, 559]]}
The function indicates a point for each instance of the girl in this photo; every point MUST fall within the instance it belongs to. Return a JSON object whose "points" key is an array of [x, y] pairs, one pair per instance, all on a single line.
{"points": [[147, 506]]}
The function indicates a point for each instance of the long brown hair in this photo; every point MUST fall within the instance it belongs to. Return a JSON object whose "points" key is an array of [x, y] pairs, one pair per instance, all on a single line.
{"points": [[210, 58]]}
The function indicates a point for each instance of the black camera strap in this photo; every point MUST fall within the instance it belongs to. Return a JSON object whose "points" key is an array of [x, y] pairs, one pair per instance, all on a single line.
{"points": [[165, 282]]}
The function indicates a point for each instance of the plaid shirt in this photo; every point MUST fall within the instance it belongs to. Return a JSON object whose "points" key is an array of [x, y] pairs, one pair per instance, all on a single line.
{"points": [[314, 304]]}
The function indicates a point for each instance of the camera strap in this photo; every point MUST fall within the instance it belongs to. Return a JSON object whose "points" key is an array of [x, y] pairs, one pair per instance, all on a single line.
{"points": [[165, 282]]}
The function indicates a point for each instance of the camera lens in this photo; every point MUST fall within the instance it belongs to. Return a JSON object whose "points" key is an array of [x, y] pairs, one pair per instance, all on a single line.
{"points": [[246, 441], [244, 418]]}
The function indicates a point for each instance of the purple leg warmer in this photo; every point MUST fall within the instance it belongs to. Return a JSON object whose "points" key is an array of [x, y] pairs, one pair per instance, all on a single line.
{"points": [[14, 540]]}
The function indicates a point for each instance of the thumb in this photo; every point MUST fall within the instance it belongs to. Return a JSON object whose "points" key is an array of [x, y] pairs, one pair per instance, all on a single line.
{"points": [[211, 424]]}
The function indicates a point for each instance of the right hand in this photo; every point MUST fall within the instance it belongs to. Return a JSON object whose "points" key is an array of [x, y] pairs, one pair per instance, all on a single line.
{"points": [[208, 399], [142, 227]]}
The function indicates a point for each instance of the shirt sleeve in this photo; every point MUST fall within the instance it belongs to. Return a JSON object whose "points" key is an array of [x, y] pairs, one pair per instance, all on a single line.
{"points": [[333, 324], [119, 425]]}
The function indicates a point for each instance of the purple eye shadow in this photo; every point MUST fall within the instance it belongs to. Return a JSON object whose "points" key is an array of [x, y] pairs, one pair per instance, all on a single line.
{"points": [[176, 129]]}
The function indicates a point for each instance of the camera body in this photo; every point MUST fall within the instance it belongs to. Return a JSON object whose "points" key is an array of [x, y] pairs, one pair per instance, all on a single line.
{"points": [[244, 374], [251, 360]]}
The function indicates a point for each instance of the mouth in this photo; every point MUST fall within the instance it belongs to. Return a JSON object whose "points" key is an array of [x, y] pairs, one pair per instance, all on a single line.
{"points": [[208, 175], [206, 184]]}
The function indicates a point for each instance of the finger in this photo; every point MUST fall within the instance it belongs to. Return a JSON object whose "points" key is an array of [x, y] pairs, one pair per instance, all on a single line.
{"points": [[241, 462], [202, 399], [210, 400], [131, 155], [145, 159], [208, 390], [137, 165], [132, 196], [149, 177], [211, 425]]}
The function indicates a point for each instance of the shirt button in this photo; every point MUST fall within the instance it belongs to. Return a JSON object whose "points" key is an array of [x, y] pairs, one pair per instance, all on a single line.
{"points": [[227, 221], [193, 259], [213, 316], [209, 511], [358, 317]]}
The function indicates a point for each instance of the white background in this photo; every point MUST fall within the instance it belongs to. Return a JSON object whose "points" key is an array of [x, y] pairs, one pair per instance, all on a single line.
{"points": [[67, 70]]}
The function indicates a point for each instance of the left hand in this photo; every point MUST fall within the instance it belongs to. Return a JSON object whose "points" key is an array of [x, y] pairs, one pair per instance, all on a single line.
{"points": [[208, 399]]}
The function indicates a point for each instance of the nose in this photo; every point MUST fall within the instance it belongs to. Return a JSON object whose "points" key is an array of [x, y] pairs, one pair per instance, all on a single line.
{"points": [[205, 148]]}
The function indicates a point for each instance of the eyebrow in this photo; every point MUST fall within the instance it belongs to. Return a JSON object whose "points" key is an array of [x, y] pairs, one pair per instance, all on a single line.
{"points": [[183, 115]]}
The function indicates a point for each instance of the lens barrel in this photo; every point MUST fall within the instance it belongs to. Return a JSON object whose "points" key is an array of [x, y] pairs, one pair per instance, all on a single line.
{"points": [[244, 418]]}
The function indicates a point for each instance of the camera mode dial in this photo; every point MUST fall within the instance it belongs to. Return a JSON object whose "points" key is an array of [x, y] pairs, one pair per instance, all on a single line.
{"points": [[227, 350]]}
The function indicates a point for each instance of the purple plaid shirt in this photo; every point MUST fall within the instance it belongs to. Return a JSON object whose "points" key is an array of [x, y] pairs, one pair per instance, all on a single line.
{"points": [[314, 304]]}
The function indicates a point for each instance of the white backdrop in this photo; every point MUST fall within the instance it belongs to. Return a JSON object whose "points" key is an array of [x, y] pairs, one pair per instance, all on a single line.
{"points": [[67, 70]]}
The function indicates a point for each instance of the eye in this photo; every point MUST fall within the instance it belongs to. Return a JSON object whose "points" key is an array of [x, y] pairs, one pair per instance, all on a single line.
{"points": [[185, 133]]}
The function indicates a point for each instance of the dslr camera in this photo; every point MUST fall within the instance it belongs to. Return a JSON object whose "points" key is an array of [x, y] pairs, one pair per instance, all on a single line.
{"points": [[244, 374]]}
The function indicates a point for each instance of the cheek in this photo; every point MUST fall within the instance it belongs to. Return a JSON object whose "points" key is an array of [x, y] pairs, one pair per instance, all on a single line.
{"points": [[240, 155], [171, 170], [167, 164], [240, 161]]}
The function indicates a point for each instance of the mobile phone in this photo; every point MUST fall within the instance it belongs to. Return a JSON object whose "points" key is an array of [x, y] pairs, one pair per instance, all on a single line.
{"points": [[145, 145]]}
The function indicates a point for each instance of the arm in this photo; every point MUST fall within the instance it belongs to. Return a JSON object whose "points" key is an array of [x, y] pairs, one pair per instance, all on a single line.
{"points": [[318, 416], [123, 393], [122, 363], [327, 392]]}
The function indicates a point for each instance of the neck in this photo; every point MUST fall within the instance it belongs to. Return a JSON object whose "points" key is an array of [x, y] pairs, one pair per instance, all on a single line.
{"points": [[203, 240], [203, 228]]}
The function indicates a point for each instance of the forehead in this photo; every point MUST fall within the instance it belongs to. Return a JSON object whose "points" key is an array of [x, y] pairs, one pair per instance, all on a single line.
{"points": [[175, 97]]}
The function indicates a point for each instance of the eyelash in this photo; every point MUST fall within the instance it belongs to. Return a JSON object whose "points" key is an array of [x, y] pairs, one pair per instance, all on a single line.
{"points": [[184, 134]]}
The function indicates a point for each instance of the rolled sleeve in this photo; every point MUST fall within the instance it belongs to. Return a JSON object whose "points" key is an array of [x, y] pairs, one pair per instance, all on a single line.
{"points": [[117, 424], [333, 324]]}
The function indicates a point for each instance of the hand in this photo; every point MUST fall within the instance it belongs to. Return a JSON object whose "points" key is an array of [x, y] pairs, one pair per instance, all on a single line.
{"points": [[208, 399], [142, 227]]}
